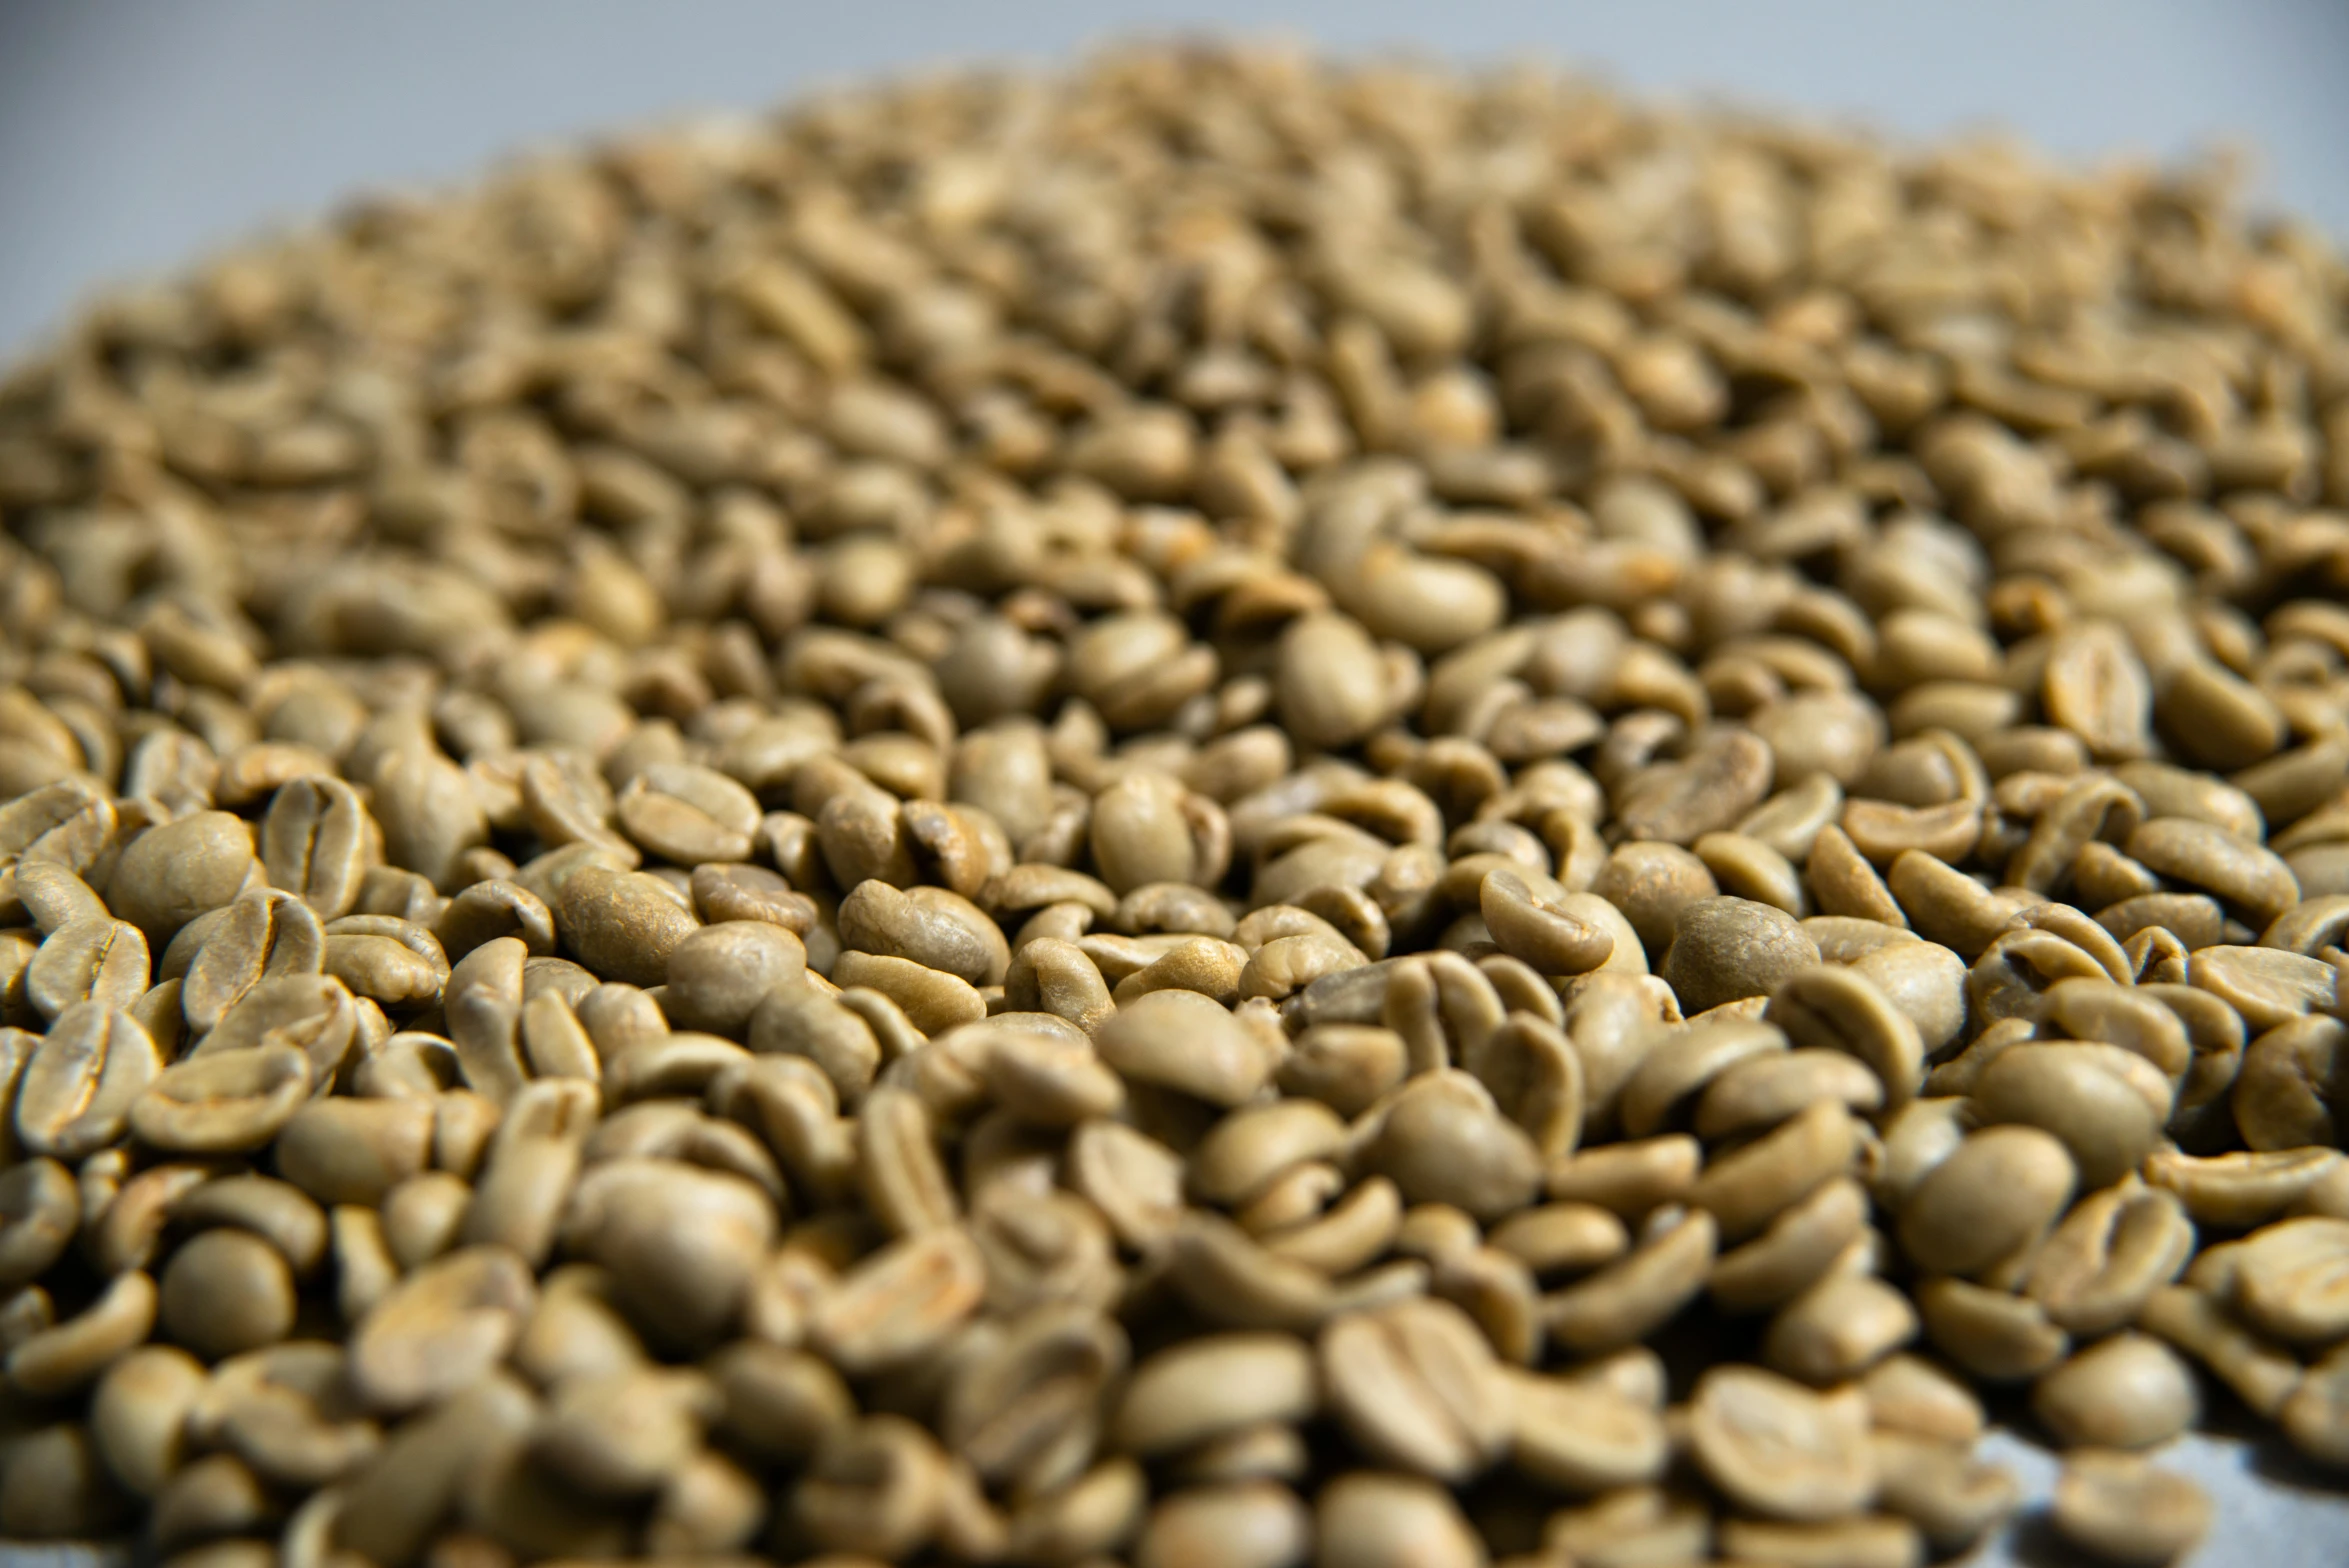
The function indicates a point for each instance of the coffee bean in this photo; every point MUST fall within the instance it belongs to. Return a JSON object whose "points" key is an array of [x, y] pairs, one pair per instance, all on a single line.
{"points": [[440, 1328], [2122, 1510], [2126, 1391], [1384, 1521], [623, 925], [763, 929], [77, 1087], [1724, 949], [170, 874], [1415, 1387], [224, 1102], [1996, 1192], [226, 1291], [139, 1412], [1780, 1449], [72, 1354]]}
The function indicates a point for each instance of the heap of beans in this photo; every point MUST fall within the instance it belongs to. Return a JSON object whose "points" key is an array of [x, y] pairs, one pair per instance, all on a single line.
{"points": [[1217, 812]]}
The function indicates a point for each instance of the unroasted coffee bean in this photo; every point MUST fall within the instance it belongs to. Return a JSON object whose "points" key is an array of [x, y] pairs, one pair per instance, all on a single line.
{"points": [[440, 1328], [95, 960], [1248, 1524], [139, 1415], [1212, 1386], [720, 973], [263, 936], [2128, 1391], [622, 925], [1709, 790], [169, 875], [355, 1151], [1382, 1521], [624, 1433], [860, 770], [1778, 1448], [2102, 1119], [688, 814], [2122, 1510], [1442, 1141], [227, 1291], [1725, 949], [69, 1356], [1414, 1386], [1838, 1329], [1596, 1424], [2315, 1416], [2289, 1280], [1184, 1041], [75, 1091], [1996, 1192], [1630, 1299]]}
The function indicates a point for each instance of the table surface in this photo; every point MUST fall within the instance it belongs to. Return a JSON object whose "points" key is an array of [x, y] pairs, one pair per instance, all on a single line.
{"points": [[138, 134]]}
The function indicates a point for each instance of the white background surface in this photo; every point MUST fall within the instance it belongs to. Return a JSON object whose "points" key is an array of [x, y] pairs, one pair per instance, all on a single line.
{"points": [[134, 134]]}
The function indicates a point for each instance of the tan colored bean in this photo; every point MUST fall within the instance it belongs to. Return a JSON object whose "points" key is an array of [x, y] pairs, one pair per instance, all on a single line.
{"points": [[169, 875], [440, 1328], [1416, 1386], [2126, 1391], [1581, 1437], [2099, 1267], [1804, 1244], [1628, 1300], [1870, 1541], [1748, 1187], [1779, 1449], [1908, 1394], [623, 925], [76, 1090], [1184, 1041], [2243, 1189], [1048, 975], [355, 1151], [2281, 1096], [261, 936], [1724, 949], [1385, 1521], [1837, 1329], [2313, 1417], [76, 1352], [1994, 1336], [138, 1415], [2289, 1279], [2122, 1510], [2102, 1120], [876, 1487], [1211, 1386], [1708, 790], [1442, 1140], [1247, 1524], [226, 1102], [100, 960], [1995, 1193], [1953, 1498], [901, 1301], [317, 841], [2260, 1372], [2237, 870]]}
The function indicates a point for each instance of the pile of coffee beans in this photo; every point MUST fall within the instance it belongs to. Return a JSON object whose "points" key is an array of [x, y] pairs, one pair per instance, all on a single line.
{"points": [[1221, 811]]}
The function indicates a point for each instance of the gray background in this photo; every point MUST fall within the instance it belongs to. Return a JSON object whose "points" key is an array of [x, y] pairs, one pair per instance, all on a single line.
{"points": [[137, 133]]}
